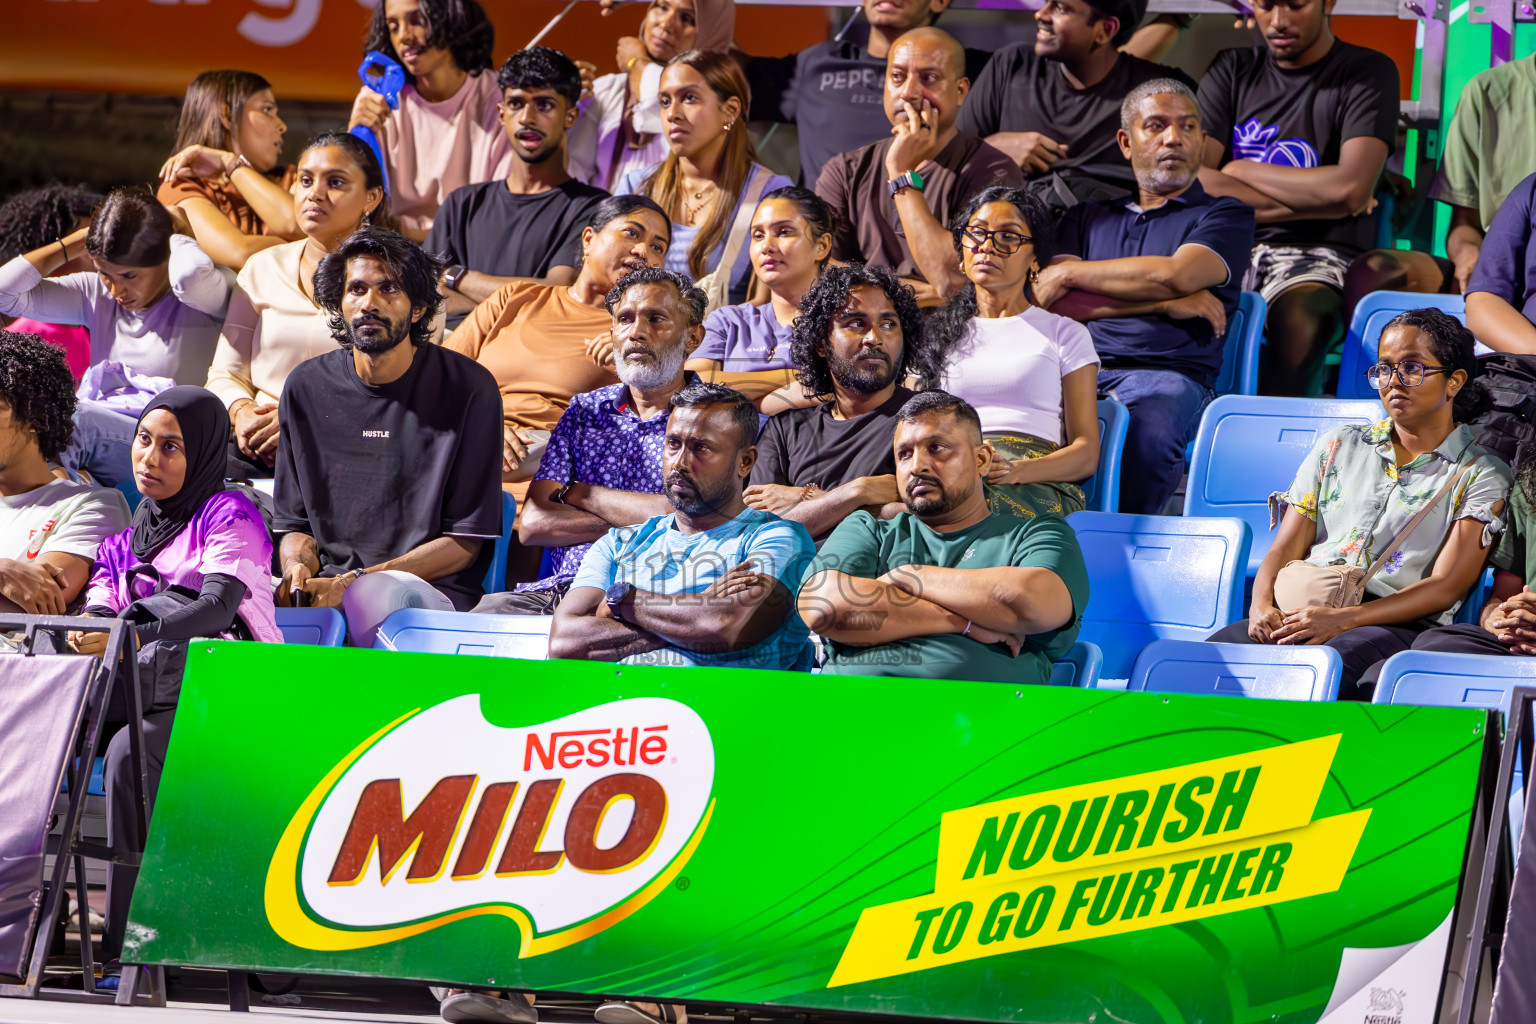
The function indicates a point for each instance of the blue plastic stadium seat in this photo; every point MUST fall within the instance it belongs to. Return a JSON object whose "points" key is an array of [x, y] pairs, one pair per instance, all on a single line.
{"points": [[1158, 578], [1079, 666], [1248, 447], [1238, 670], [433, 632], [130, 493], [1371, 315], [1240, 354], [1103, 488], [1472, 607], [496, 576], [317, 627], [97, 785], [1437, 679]]}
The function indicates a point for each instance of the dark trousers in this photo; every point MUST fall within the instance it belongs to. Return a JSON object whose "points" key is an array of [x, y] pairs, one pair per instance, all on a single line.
{"points": [[1359, 648], [1165, 409], [1458, 638], [123, 823]]}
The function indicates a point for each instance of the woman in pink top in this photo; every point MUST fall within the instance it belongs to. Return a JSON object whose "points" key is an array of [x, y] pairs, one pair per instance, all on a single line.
{"points": [[446, 133], [202, 539]]}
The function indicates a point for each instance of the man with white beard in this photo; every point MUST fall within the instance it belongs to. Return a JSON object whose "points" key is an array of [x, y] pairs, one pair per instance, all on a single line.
{"points": [[1155, 278], [602, 467]]}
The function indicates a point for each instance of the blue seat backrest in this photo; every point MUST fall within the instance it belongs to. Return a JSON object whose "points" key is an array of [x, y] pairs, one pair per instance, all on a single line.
{"points": [[317, 627], [1079, 666], [1471, 609], [1248, 447], [1437, 679], [1103, 488], [1158, 578], [130, 493], [1238, 670], [1371, 315], [435, 632], [1240, 353], [496, 575]]}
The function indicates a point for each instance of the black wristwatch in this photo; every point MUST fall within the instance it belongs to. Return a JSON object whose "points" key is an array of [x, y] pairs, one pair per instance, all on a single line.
{"points": [[453, 275], [559, 496], [616, 596]]}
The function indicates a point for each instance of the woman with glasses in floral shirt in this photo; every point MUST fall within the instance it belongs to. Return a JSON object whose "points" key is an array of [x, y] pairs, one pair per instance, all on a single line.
{"points": [[1363, 483]]}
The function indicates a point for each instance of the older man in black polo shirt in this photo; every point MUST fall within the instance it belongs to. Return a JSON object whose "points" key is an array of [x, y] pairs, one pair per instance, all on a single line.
{"points": [[1155, 278]]}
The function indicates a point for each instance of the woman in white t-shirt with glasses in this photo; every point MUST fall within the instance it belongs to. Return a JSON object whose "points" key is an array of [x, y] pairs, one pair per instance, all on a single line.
{"points": [[1031, 375]]}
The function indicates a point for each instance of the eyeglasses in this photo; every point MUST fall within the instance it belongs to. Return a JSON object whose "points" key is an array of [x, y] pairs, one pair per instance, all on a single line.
{"points": [[1004, 243], [1410, 373]]}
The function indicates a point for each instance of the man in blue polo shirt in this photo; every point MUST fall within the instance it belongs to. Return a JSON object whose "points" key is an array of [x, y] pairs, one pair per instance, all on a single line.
{"points": [[1155, 278], [1501, 297]]}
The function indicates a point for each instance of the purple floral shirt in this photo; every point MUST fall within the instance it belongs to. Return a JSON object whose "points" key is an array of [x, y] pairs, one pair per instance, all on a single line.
{"points": [[226, 536], [600, 440]]}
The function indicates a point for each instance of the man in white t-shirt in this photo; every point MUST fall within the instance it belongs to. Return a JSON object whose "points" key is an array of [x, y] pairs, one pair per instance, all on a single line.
{"points": [[49, 527]]}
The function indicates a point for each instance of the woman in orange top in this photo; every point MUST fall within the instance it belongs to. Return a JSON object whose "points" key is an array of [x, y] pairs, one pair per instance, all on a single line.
{"points": [[227, 177], [546, 343]]}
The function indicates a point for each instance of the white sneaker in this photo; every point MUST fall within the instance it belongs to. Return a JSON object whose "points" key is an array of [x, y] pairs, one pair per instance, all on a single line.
{"points": [[630, 1013], [478, 1007]]}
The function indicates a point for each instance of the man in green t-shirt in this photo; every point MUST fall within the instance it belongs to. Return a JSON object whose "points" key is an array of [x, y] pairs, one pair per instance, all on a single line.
{"points": [[946, 589]]}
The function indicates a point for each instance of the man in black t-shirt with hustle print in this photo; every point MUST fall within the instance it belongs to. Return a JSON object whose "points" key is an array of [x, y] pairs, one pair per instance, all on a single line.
{"points": [[1300, 131], [389, 448]]}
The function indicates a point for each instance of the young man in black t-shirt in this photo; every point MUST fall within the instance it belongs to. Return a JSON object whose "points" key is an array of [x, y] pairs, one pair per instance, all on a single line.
{"points": [[1300, 131], [834, 92], [859, 335], [528, 226], [1054, 106], [389, 453]]}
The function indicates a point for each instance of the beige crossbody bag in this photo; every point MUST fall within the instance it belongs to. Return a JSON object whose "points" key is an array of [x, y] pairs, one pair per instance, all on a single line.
{"points": [[717, 283], [1301, 584]]}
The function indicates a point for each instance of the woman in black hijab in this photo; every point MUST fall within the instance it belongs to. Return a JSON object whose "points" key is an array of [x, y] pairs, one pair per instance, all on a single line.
{"points": [[207, 552]]}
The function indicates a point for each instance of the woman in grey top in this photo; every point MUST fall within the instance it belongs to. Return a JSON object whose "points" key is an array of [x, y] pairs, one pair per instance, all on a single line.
{"points": [[154, 304], [1360, 486]]}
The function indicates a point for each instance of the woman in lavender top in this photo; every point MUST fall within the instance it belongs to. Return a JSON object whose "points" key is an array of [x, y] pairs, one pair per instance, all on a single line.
{"points": [[790, 242], [1031, 375], [195, 535]]}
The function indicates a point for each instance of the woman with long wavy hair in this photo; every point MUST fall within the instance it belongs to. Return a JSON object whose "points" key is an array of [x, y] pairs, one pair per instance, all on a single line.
{"points": [[1032, 375], [710, 182]]}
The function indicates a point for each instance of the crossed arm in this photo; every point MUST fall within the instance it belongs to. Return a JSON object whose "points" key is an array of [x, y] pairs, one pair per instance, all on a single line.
{"points": [[587, 513], [739, 610], [820, 511], [1279, 193], [1004, 604], [1177, 286]]}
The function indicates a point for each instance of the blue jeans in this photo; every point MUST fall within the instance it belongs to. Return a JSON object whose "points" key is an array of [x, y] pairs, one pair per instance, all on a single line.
{"points": [[1165, 413], [102, 444]]}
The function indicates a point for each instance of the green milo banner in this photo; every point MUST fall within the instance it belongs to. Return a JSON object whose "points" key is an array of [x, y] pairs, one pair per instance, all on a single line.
{"points": [[901, 847]]}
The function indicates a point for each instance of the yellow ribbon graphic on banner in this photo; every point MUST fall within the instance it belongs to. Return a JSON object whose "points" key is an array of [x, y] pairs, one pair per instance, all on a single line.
{"points": [[1120, 855]]}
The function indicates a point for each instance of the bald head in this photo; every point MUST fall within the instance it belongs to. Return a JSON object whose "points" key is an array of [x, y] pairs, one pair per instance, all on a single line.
{"points": [[934, 41], [926, 64]]}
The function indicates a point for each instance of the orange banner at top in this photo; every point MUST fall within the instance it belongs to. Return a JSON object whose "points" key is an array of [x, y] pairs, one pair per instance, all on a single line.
{"points": [[307, 49]]}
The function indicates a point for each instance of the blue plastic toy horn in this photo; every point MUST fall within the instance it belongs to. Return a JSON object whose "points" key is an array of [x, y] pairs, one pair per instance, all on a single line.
{"points": [[385, 77]]}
